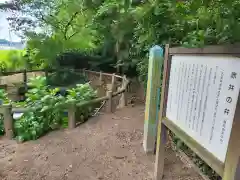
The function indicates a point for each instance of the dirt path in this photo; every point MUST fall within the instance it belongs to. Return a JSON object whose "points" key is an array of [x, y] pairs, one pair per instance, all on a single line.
{"points": [[108, 147]]}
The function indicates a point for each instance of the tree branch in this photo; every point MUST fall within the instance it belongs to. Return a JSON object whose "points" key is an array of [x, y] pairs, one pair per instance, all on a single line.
{"points": [[68, 24], [47, 22], [9, 6], [73, 35]]}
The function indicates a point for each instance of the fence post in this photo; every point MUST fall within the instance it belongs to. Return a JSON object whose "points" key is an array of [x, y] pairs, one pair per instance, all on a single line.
{"points": [[25, 79], [151, 108], [84, 72], [100, 77], [6, 110], [122, 101], [1, 80], [72, 116], [109, 102], [100, 89], [113, 82], [46, 74]]}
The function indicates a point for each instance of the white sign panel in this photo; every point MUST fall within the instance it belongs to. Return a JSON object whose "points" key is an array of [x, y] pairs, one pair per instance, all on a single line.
{"points": [[202, 98]]}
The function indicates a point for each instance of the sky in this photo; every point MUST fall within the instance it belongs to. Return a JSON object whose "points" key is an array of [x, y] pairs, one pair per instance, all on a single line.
{"points": [[4, 27]]}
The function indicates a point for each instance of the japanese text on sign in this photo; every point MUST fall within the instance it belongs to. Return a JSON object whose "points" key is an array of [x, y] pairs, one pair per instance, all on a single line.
{"points": [[202, 97]]}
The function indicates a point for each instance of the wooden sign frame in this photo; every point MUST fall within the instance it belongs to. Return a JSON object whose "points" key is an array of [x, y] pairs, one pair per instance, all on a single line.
{"points": [[230, 169]]}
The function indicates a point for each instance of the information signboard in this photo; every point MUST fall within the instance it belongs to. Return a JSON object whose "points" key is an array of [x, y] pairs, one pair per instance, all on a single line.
{"points": [[202, 97]]}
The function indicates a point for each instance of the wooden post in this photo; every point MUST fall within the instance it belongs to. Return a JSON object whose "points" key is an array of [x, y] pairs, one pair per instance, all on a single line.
{"points": [[100, 77], [122, 101], [25, 79], [6, 110], [113, 83], [232, 162], [72, 116], [1, 80], [100, 90], [162, 130], [151, 109], [109, 102], [84, 72], [46, 73]]}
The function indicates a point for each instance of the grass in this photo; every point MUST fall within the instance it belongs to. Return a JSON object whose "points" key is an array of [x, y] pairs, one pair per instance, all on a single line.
{"points": [[4, 54], [11, 57]]}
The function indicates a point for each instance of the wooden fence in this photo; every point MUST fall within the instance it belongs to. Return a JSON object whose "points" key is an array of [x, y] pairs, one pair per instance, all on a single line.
{"points": [[7, 110]]}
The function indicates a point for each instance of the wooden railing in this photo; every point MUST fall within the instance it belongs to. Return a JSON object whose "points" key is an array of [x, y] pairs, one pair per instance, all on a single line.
{"points": [[24, 77], [7, 110]]}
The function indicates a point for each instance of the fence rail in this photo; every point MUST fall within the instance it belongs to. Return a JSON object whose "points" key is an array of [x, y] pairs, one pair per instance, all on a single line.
{"points": [[7, 109], [7, 73]]}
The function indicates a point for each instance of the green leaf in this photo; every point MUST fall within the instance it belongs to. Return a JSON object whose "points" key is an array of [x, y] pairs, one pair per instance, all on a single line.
{"points": [[45, 108]]}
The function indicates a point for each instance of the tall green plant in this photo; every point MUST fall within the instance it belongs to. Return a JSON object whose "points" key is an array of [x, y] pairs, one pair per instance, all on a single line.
{"points": [[48, 108], [3, 100], [2, 131]]}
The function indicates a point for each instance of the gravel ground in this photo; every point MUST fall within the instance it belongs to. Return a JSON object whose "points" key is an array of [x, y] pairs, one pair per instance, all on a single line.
{"points": [[107, 147]]}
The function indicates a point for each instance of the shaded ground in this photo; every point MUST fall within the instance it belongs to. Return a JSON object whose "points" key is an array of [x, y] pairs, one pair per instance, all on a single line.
{"points": [[107, 147]]}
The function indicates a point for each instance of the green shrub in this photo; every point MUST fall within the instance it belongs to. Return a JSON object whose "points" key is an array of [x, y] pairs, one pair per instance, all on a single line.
{"points": [[142, 68], [4, 97], [44, 116], [83, 92], [48, 108], [2, 132], [3, 100]]}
